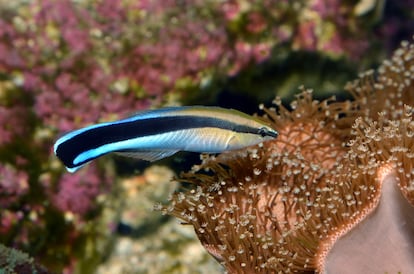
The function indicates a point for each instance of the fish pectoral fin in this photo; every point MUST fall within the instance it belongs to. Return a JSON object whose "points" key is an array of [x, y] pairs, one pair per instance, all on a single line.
{"points": [[232, 141], [148, 155]]}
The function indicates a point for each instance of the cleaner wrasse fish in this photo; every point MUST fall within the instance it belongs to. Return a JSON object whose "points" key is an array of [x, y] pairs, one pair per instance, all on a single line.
{"points": [[156, 134]]}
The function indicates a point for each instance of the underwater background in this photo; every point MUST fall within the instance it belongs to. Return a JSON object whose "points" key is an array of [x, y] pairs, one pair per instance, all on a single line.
{"points": [[67, 64]]}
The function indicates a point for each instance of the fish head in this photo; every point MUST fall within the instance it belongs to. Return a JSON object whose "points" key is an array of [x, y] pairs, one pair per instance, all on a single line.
{"points": [[245, 139], [267, 133]]}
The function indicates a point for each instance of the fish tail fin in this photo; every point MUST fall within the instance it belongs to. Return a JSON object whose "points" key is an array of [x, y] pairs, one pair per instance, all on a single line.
{"points": [[77, 148]]}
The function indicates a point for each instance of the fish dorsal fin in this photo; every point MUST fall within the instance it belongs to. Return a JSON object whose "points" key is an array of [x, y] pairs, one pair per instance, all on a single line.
{"points": [[147, 155]]}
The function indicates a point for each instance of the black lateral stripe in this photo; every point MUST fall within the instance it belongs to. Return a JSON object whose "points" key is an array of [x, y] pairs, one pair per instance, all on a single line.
{"points": [[96, 137]]}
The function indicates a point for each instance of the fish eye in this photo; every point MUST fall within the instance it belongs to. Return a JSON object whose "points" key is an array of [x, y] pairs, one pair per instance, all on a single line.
{"points": [[263, 132]]}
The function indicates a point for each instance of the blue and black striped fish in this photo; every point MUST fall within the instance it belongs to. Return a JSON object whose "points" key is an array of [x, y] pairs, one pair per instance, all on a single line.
{"points": [[155, 134]]}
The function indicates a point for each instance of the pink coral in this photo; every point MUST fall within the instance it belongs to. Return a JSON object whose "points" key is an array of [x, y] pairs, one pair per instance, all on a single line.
{"points": [[256, 23], [8, 220], [230, 9], [306, 38], [13, 184], [73, 55], [12, 123], [76, 193]]}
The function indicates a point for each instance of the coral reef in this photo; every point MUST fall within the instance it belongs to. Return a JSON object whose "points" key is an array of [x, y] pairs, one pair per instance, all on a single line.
{"points": [[65, 64], [152, 243], [333, 194], [14, 261], [173, 248]]}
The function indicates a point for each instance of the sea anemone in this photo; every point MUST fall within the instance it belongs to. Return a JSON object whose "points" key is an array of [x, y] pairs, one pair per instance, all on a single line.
{"points": [[333, 193]]}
